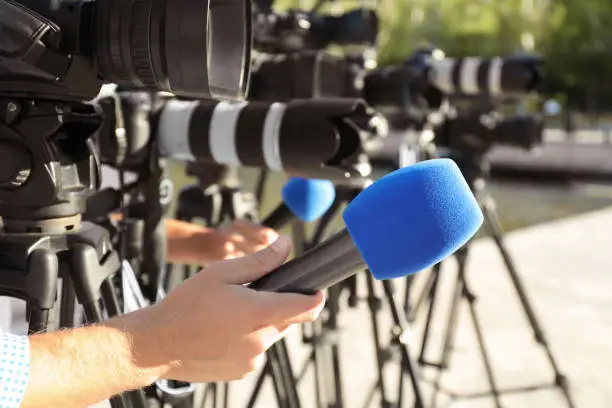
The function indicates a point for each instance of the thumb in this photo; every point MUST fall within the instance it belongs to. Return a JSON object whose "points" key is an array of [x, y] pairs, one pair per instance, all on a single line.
{"points": [[253, 266]]}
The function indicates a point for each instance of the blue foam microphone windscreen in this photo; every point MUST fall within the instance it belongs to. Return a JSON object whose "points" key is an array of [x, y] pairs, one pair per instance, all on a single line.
{"points": [[407, 221], [413, 218], [308, 199]]}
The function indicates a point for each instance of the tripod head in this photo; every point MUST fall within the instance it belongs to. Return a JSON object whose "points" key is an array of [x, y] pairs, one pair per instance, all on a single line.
{"points": [[49, 166]]}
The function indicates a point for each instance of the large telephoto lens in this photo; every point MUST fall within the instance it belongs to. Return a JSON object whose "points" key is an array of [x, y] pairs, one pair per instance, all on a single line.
{"points": [[197, 49]]}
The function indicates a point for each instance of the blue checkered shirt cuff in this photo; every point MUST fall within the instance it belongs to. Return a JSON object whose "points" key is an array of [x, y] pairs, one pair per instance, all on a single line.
{"points": [[14, 369]]}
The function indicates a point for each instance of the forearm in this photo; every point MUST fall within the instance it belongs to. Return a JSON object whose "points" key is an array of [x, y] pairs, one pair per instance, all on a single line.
{"points": [[79, 367], [183, 239]]}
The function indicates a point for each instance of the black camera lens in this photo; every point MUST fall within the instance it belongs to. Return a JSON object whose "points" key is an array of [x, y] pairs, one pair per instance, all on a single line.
{"points": [[190, 48]]}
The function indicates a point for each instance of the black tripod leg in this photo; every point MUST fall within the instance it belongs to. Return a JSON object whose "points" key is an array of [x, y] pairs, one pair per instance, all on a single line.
{"points": [[274, 369], [42, 278], [331, 327], [433, 289], [261, 185], [290, 381], [381, 354], [408, 309], [423, 295], [494, 228], [267, 370], [67, 304], [481, 342], [451, 324], [409, 365], [462, 290], [259, 383], [277, 369], [319, 362], [453, 317]]}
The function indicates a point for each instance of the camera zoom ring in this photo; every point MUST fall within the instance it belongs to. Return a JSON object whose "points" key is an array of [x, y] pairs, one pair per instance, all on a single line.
{"points": [[115, 29], [140, 42]]}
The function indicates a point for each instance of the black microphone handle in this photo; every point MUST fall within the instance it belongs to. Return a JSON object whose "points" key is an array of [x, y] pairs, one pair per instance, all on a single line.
{"points": [[319, 268], [279, 218]]}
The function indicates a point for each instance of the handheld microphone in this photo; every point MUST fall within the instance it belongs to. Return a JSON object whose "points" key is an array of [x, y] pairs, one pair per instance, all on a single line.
{"points": [[305, 199], [405, 222], [318, 139]]}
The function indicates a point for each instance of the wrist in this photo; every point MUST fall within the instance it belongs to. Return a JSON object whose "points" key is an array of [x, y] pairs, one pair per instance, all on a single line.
{"points": [[149, 355]]}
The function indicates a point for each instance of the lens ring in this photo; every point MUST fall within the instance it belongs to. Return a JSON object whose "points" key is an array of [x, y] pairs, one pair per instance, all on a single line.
{"points": [[119, 12], [140, 41]]}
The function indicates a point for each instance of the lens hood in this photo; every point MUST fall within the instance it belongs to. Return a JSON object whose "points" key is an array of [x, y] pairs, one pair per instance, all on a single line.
{"points": [[196, 49]]}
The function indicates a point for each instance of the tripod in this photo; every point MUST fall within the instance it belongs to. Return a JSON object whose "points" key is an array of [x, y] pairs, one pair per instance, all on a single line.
{"points": [[408, 366], [216, 199], [475, 170], [45, 248]]}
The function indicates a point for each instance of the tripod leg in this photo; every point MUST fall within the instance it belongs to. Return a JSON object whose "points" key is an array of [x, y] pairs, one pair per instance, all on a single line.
{"points": [[451, 323], [481, 342], [495, 230], [331, 328], [400, 321], [43, 273], [381, 355], [462, 290], [226, 395], [425, 293], [453, 317], [278, 377], [434, 279], [272, 368], [319, 360], [288, 375], [407, 306], [67, 305], [259, 383]]}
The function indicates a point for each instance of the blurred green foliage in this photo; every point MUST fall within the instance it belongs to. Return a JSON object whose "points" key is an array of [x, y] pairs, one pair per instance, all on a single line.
{"points": [[575, 37]]}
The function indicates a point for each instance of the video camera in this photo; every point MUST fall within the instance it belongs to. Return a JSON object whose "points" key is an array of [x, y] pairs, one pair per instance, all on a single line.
{"points": [[65, 50], [55, 55]]}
